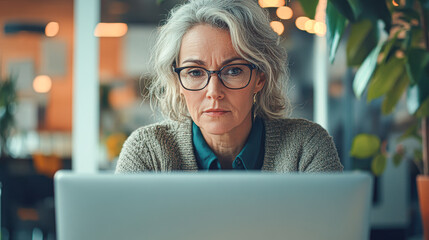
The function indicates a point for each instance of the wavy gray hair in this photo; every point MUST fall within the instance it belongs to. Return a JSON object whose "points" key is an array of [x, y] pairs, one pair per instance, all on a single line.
{"points": [[252, 38]]}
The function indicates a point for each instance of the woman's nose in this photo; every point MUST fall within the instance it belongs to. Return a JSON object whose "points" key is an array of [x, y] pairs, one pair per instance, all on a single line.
{"points": [[215, 87]]}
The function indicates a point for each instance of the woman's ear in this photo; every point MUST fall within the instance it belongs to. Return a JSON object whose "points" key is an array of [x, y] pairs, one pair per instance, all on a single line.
{"points": [[260, 81], [182, 96]]}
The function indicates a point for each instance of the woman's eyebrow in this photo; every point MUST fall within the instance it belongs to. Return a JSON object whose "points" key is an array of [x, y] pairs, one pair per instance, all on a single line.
{"points": [[202, 63], [231, 60], [199, 62]]}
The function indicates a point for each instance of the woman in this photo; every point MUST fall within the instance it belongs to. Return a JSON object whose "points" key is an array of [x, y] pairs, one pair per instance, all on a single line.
{"points": [[219, 73]]}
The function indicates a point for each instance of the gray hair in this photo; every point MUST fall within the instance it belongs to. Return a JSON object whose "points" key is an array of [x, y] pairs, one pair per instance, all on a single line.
{"points": [[252, 38]]}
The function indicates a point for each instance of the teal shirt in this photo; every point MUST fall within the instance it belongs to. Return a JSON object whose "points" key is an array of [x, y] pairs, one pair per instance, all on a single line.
{"points": [[251, 156]]}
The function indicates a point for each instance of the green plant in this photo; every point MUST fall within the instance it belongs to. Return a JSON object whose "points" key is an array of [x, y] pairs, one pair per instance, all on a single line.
{"points": [[388, 43], [7, 103]]}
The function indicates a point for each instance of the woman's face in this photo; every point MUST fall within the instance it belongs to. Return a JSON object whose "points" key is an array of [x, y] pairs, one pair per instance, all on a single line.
{"points": [[216, 109]]}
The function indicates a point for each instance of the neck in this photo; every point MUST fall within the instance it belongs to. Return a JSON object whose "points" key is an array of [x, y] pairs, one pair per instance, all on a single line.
{"points": [[228, 145]]}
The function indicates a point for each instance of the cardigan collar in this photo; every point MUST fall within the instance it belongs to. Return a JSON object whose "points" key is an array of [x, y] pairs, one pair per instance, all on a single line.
{"points": [[189, 162]]}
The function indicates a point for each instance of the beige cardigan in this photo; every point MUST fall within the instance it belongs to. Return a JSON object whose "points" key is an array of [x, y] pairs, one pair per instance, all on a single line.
{"points": [[291, 145]]}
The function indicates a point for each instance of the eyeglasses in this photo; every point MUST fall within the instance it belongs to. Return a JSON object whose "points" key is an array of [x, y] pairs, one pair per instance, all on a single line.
{"points": [[233, 76]]}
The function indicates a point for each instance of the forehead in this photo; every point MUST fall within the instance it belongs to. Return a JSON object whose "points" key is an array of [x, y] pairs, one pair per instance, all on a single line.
{"points": [[206, 43]]}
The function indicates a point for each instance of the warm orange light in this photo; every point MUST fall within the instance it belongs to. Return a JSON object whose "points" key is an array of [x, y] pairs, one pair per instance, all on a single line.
{"points": [[42, 84], [271, 3], [320, 29], [284, 12], [277, 27], [52, 29], [300, 22], [399, 54], [110, 30], [309, 26], [395, 3], [320, 14]]}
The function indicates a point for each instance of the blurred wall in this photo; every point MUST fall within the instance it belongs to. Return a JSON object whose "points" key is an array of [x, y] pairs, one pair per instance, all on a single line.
{"points": [[28, 46], [23, 45]]}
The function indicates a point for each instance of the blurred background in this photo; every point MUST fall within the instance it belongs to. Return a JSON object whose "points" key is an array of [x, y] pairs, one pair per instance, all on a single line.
{"points": [[40, 113]]}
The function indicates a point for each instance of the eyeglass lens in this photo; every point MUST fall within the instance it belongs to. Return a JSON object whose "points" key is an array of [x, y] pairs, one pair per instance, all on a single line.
{"points": [[232, 76]]}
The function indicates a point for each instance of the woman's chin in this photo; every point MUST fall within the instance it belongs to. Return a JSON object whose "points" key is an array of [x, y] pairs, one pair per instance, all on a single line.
{"points": [[219, 125], [215, 128]]}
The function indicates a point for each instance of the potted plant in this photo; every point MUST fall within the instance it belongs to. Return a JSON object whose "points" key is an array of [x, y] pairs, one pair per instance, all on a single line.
{"points": [[388, 67], [7, 103]]}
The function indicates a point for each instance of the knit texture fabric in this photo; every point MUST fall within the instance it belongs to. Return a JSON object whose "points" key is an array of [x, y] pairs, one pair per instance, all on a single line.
{"points": [[291, 145]]}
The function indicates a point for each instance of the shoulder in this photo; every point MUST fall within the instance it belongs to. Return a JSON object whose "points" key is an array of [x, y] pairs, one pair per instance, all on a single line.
{"points": [[291, 127], [300, 145], [290, 122], [161, 130], [159, 135], [153, 147]]}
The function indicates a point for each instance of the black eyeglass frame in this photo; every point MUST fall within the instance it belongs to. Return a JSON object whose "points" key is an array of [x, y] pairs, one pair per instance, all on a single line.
{"points": [[250, 66]]}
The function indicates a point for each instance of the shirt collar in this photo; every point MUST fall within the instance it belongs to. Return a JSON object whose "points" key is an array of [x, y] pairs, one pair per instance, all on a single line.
{"points": [[249, 155], [203, 153]]}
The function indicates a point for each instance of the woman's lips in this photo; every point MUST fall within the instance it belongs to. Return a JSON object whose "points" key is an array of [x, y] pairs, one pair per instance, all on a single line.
{"points": [[215, 112]]}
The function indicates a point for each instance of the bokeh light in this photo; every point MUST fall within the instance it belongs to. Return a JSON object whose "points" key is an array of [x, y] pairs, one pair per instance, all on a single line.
{"points": [[309, 26], [42, 84], [277, 27], [300, 22], [320, 28], [271, 3], [52, 29], [284, 12], [110, 29]]}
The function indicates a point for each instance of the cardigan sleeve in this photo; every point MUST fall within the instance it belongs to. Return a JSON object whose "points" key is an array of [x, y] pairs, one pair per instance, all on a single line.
{"points": [[319, 153]]}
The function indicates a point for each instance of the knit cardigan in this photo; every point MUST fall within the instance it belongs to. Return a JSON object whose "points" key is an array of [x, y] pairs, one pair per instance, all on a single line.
{"points": [[291, 145]]}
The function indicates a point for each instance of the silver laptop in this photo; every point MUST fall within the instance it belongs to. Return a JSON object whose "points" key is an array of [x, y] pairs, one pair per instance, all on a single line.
{"points": [[212, 206]]}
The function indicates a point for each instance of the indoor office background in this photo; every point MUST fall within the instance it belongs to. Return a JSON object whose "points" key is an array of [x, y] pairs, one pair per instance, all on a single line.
{"points": [[43, 47]]}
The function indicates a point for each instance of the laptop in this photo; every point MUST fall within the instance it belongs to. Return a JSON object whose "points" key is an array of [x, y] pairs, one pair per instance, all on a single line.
{"points": [[212, 206]]}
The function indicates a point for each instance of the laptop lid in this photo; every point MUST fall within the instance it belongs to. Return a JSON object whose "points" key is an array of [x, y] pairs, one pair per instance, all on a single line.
{"points": [[222, 205]]}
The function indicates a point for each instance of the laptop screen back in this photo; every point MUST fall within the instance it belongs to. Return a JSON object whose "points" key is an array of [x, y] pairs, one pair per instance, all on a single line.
{"points": [[224, 205]]}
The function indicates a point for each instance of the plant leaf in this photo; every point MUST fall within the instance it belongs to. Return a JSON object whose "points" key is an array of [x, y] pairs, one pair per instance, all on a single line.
{"points": [[417, 99], [410, 132], [418, 155], [344, 8], [356, 6], [413, 38], [397, 159], [423, 110], [388, 46], [417, 60], [365, 71], [309, 7], [378, 164], [365, 146], [363, 38], [416, 36], [393, 96], [426, 12], [335, 23], [385, 77], [381, 11]]}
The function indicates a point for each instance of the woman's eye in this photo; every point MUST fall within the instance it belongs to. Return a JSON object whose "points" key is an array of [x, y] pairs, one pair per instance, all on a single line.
{"points": [[195, 72], [234, 71]]}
